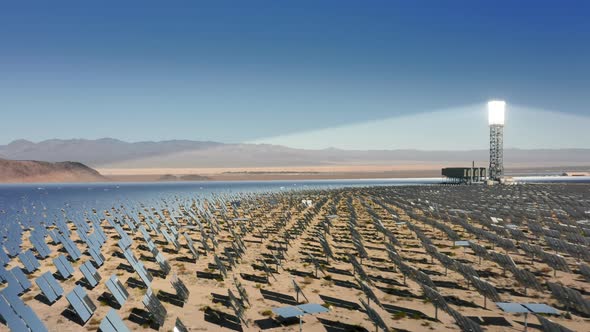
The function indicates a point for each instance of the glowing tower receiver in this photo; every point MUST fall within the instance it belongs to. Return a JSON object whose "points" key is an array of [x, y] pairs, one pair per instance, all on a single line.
{"points": [[496, 110]]}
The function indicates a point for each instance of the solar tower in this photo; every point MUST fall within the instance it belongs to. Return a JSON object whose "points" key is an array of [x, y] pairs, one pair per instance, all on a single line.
{"points": [[496, 109]]}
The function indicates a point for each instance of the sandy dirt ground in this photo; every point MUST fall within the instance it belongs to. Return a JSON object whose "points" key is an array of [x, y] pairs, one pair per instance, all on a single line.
{"points": [[404, 306], [405, 170]]}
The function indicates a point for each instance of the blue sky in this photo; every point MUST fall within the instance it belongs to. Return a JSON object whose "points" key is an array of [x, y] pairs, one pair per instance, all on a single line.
{"points": [[241, 71]]}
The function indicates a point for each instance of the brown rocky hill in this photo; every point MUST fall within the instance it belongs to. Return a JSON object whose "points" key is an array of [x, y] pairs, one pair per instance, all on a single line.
{"points": [[13, 171]]}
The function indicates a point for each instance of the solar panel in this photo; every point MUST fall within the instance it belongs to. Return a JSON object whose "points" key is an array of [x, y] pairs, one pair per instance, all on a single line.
{"points": [[13, 321], [124, 243], [63, 266], [29, 261], [117, 289], [81, 303], [180, 288], [299, 291], [358, 269], [465, 323], [90, 274], [81, 232], [155, 307], [164, 265], [49, 286], [540, 308], [316, 264], [312, 308], [237, 306], [241, 290], [170, 239], [130, 257], [512, 307], [267, 270], [230, 256], [4, 259], [145, 276], [437, 300], [204, 238], [96, 255], [40, 246], [550, 326], [374, 316], [287, 312], [221, 267], [112, 323], [19, 279], [54, 236], [234, 300], [12, 306], [179, 326], [191, 246], [368, 292], [70, 247]]}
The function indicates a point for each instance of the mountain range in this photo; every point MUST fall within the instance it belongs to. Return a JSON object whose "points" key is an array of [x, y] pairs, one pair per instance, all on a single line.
{"points": [[113, 153]]}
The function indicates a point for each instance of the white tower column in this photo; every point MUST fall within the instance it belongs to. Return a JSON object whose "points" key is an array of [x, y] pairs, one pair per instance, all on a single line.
{"points": [[496, 110]]}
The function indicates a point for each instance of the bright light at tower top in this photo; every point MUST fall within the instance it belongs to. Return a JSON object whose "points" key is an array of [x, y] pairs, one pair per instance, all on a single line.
{"points": [[496, 109]]}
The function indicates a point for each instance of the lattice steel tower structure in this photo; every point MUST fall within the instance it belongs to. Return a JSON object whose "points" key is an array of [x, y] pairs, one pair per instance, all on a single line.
{"points": [[496, 110]]}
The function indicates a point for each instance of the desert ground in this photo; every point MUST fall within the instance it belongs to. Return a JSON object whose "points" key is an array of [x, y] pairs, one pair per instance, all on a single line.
{"points": [[396, 234], [336, 171]]}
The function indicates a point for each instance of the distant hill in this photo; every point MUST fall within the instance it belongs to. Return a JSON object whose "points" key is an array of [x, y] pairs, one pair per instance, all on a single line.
{"points": [[96, 152], [12, 171], [112, 153]]}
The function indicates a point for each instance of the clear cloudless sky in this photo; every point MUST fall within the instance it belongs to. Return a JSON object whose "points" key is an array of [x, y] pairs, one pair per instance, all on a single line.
{"points": [[236, 71]]}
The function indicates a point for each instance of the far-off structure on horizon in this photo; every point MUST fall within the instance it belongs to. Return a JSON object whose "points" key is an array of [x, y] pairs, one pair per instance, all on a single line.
{"points": [[496, 118]]}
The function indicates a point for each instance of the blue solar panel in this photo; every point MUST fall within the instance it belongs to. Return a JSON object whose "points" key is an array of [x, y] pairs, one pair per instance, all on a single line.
{"points": [[24, 312], [3, 274], [81, 304], [130, 257], [49, 286], [63, 266], [96, 256], [82, 234], [90, 274], [40, 246], [112, 323], [12, 244], [4, 259], [191, 246], [93, 241], [13, 321], [540, 308], [63, 227], [512, 307], [22, 282], [145, 276], [54, 236], [117, 289], [71, 247], [29, 261], [288, 312], [32, 258], [312, 308]]}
